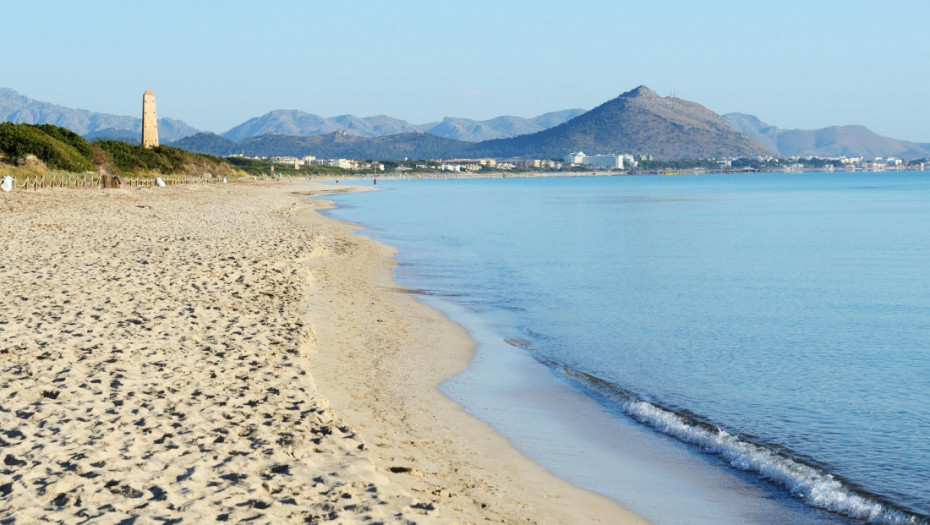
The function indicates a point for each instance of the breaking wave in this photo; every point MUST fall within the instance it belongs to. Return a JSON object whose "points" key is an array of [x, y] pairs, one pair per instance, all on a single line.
{"points": [[815, 487]]}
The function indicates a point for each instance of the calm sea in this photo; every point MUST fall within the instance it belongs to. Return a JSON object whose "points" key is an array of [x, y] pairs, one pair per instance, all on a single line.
{"points": [[775, 327]]}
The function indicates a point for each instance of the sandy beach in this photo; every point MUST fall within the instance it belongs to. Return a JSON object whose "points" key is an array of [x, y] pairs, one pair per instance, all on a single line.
{"points": [[225, 353]]}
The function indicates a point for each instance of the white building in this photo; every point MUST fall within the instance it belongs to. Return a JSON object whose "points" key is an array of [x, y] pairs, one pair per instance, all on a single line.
{"points": [[575, 158], [601, 162], [604, 162], [345, 164]]}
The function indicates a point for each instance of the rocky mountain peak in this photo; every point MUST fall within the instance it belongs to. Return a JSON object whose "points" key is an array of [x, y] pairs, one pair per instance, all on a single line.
{"points": [[640, 92]]}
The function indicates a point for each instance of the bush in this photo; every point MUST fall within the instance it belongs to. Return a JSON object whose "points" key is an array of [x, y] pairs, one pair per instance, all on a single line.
{"points": [[131, 158], [71, 138], [52, 145], [62, 149]]}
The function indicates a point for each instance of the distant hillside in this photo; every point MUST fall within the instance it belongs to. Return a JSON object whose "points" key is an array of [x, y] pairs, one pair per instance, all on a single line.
{"points": [[211, 144], [300, 124], [330, 145], [638, 122], [834, 141], [499, 127], [476, 131], [17, 108], [114, 134]]}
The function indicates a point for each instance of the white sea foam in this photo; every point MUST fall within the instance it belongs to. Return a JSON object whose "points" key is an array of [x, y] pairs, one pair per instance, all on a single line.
{"points": [[816, 488]]}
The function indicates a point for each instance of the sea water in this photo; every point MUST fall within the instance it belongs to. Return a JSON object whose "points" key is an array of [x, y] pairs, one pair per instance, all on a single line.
{"points": [[776, 327]]}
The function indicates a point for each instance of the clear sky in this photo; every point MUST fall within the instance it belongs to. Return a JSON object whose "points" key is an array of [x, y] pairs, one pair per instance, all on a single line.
{"points": [[214, 64]]}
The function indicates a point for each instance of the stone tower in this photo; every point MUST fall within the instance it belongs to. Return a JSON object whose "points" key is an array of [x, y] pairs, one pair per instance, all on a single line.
{"points": [[149, 121]]}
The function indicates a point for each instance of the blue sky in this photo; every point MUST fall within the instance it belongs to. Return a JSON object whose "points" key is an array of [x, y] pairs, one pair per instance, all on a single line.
{"points": [[794, 64]]}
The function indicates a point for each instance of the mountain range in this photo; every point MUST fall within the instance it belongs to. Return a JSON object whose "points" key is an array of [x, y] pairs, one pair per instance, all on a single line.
{"points": [[832, 141], [331, 145], [18, 108], [21, 109], [300, 124], [636, 121]]}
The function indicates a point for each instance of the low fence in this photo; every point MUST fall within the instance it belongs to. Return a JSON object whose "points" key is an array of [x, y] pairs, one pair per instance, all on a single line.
{"points": [[139, 182], [59, 180], [95, 180]]}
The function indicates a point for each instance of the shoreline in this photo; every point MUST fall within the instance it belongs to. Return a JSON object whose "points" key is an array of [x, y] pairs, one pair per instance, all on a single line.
{"points": [[468, 468], [211, 353], [573, 432]]}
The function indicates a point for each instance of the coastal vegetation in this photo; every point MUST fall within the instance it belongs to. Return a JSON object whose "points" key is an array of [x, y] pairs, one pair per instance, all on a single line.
{"points": [[28, 149], [58, 148]]}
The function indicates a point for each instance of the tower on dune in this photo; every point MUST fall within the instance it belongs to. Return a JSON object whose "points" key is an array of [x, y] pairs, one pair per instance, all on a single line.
{"points": [[149, 121]]}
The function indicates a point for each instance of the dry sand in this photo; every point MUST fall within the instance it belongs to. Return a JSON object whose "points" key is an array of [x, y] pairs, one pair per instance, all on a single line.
{"points": [[223, 353]]}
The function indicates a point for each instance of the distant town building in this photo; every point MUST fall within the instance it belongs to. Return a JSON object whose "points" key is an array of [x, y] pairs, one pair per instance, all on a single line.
{"points": [[575, 157], [535, 164], [481, 162], [345, 164], [601, 162], [149, 120]]}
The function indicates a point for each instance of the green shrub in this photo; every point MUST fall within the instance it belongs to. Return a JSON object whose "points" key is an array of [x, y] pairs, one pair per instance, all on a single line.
{"points": [[52, 145], [62, 149], [69, 137]]}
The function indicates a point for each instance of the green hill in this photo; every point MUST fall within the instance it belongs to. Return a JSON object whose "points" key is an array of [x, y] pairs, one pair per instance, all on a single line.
{"points": [[62, 149], [57, 147]]}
